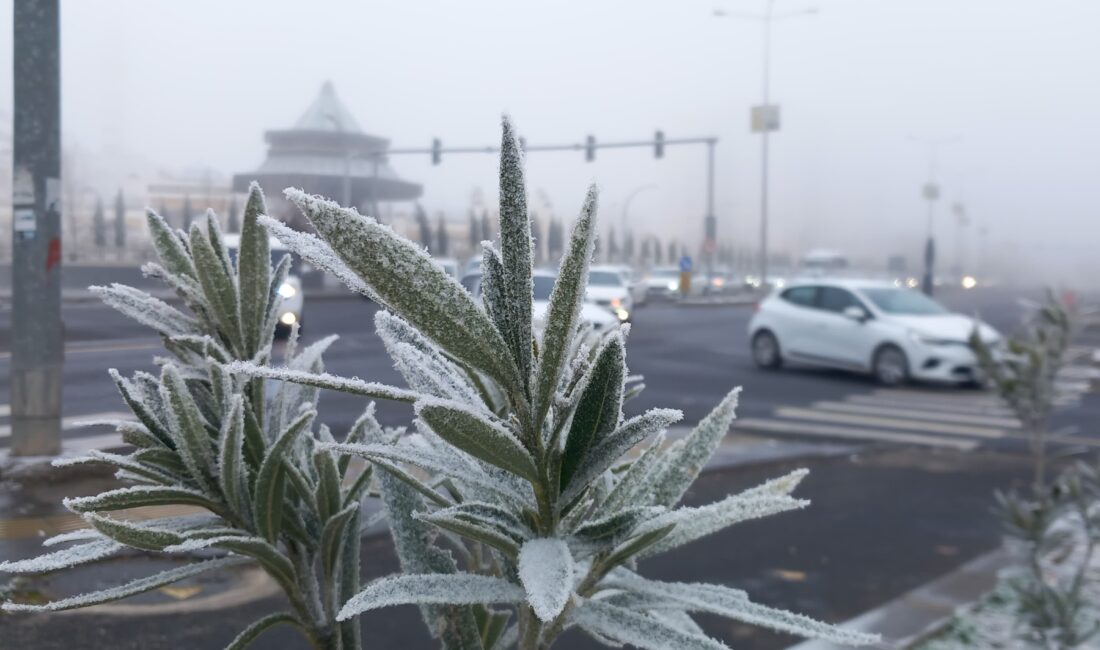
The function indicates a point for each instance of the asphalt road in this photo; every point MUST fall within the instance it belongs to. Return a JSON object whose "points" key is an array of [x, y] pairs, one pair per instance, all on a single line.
{"points": [[690, 357]]}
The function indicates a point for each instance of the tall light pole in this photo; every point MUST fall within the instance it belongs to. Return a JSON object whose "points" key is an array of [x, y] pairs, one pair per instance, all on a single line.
{"points": [[931, 193], [765, 118], [630, 198]]}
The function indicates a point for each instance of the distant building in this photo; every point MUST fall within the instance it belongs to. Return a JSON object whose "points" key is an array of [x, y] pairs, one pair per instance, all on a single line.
{"points": [[327, 153]]}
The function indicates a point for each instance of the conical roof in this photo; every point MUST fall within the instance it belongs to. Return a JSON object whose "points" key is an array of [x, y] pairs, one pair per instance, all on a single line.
{"points": [[327, 113]]}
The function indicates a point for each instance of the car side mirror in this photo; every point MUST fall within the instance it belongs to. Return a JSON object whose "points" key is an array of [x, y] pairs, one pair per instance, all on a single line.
{"points": [[855, 313]]}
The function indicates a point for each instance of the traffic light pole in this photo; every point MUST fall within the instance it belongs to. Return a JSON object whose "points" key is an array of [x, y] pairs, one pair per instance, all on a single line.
{"points": [[38, 351]]}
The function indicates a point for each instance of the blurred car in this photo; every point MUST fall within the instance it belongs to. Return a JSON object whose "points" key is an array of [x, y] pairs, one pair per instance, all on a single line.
{"points": [[608, 288], [543, 282], [662, 282], [635, 283], [290, 291], [896, 334]]}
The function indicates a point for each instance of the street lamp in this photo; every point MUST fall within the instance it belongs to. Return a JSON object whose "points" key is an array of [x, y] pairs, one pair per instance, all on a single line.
{"points": [[630, 197], [931, 192], [765, 117]]}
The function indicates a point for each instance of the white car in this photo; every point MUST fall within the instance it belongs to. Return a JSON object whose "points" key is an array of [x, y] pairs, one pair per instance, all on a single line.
{"points": [[608, 288], [293, 298], [663, 282], [543, 281], [894, 333]]}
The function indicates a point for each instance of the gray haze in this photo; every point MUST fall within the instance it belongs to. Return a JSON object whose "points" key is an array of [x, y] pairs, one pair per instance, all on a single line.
{"points": [[195, 83]]}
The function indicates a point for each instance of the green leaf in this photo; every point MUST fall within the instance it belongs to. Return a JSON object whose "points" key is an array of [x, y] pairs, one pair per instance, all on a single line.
{"points": [[267, 507], [475, 435], [563, 314], [687, 456], [139, 586], [411, 285], [432, 588], [324, 380], [193, 443], [252, 632], [142, 495], [328, 484], [170, 248], [232, 471], [599, 408], [253, 273], [134, 535], [638, 629], [147, 310], [636, 545], [217, 286], [475, 531], [140, 408], [515, 245], [332, 537], [611, 447]]}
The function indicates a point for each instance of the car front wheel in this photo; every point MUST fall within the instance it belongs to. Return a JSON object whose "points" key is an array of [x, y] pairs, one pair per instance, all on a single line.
{"points": [[765, 350], [890, 366]]}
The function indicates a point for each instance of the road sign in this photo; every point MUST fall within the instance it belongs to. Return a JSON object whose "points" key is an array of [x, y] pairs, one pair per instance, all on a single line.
{"points": [[765, 118], [685, 263], [931, 191]]}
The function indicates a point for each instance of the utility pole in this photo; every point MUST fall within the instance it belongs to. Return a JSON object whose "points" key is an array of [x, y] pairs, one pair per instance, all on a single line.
{"points": [[765, 118], [931, 193], [38, 351]]}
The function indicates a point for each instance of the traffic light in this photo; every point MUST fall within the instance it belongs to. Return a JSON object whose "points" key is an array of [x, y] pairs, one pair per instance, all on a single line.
{"points": [[659, 144], [590, 148], [437, 151]]}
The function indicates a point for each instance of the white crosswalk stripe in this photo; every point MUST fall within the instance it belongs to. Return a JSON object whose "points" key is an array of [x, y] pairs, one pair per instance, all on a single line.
{"points": [[960, 419]]}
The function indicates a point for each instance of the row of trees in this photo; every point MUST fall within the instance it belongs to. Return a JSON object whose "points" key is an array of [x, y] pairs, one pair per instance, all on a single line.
{"points": [[118, 224]]}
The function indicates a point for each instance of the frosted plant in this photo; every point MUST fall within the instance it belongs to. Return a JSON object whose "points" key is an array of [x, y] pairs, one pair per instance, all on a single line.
{"points": [[1024, 374], [251, 463], [516, 507]]}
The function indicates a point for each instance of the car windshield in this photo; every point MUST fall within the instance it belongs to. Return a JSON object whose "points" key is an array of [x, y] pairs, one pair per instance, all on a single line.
{"points": [[605, 279], [544, 284], [903, 301]]}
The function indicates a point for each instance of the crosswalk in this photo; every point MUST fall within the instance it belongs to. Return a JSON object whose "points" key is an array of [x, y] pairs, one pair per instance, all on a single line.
{"points": [[960, 420]]}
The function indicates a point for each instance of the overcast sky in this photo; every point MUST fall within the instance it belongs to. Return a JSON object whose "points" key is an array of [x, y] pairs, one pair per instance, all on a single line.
{"points": [[197, 82]]}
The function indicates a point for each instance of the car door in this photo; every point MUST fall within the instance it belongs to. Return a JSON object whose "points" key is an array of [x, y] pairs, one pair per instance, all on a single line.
{"points": [[795, 317], [843, 340]]}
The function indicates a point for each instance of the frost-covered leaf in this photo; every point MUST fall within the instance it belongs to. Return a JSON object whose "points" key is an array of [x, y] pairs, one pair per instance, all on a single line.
{"points": [[171, 248], [147, 310], [318, 253], [611, 447], [563, 313], [253, 272], [217, 285], [127, 463], [735, 604], [599, 409], [694, 523], [515, 244], [352, 385], [471, 432], [188, 427], [138, 496], [616, 526], [139, 586], [474, 530], [142, 408], [546, 571], [232, 470], [432, 588], [410, 284], [424, 368], [267, 506], [148, 538], [92, 551], [634, 480], [638, 629], [687, 457]]}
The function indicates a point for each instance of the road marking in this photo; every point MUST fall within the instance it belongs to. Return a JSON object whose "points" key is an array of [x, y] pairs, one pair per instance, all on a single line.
{"points": [[930, 405], [829, 431], [887, 423], [5, 410], [965, 397], [95, 347], [889, 411], [77, 421]]}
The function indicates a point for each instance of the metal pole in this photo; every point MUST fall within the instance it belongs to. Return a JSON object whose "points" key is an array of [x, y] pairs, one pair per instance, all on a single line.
{"points": [[764, 146], [38, 348], [710, 221], [347, 179]]}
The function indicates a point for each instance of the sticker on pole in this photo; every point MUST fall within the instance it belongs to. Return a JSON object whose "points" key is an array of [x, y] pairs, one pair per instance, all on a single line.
{"points": [[25, 221], [765, 118], [22, 187]]}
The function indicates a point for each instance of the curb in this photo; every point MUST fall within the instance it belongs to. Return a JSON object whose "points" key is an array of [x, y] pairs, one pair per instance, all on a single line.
{"points": [[919, 614]]}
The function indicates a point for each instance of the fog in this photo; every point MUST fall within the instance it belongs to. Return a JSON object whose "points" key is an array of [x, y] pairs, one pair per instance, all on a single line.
{"points": [[186, 85]]}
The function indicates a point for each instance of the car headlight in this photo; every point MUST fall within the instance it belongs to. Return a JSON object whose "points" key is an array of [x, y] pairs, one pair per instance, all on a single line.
{"points": [[616, 303], [287, 290], [288, 318], [622, 314], [672, 286]]}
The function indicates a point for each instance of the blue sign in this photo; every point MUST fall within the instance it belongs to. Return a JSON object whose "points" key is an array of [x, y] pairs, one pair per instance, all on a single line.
{"points": [[685, 264]]}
